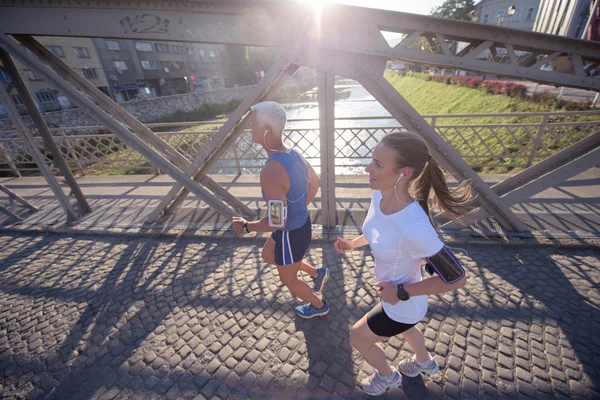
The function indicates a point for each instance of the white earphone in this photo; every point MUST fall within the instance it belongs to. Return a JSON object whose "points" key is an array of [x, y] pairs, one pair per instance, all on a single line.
{"points": [[396, 194]]}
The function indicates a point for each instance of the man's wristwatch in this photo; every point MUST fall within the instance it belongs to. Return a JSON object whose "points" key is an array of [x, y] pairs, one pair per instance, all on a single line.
{"points": [[245, 226], [402, 293]]}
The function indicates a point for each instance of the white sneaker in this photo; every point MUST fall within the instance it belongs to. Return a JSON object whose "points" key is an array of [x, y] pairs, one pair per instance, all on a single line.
{"points": [[411, 367], [377, 384]]}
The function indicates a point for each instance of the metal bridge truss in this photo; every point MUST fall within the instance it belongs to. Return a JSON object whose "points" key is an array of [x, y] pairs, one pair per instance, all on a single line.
{"points": [[334, 40]]}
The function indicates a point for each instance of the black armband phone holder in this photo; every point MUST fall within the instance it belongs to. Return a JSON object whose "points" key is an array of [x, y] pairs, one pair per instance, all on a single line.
{"points": [[445, 265]]}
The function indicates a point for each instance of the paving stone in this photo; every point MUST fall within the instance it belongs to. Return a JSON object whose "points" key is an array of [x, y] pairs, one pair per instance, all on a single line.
{"points": [[174, 321]]}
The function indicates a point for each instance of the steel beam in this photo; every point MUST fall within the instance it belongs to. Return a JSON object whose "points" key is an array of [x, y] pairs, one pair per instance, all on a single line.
{"points": [[18, 198], [267, 23], [249, 23], [326, 97], [105, 119], [557, 160], [9, 213], [553, 178], [358, 30], [275, 77], [38, 120], [366, 21], [118, 112], [533, 187], [441, 150], [39, 159], [529, 175]]}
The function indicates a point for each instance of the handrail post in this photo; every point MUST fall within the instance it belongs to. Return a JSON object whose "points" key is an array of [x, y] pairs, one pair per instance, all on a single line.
{"points": [[10, 162], [537, 141], [71, 150]]}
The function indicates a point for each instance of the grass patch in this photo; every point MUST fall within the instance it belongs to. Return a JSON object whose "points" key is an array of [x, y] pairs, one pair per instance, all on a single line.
{"points": [[429, 97], [125, 161]]}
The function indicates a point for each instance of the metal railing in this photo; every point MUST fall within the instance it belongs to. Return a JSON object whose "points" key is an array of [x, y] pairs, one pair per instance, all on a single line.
{"points": [[528, 138]]}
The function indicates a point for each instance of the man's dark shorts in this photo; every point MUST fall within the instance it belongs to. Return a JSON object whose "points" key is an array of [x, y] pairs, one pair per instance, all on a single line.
{"points": [[290, 246]]}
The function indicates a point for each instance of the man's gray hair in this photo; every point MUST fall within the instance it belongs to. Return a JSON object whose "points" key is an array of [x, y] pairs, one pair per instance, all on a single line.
{"points": [[272, 114]]}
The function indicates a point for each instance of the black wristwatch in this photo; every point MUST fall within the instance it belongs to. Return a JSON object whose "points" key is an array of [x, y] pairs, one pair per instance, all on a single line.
{"points": [[402, 293], [245, 227]]}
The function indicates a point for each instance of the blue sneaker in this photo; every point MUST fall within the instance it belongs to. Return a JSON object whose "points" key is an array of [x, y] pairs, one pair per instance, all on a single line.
{"points": [[308, 311], [321, 279]]}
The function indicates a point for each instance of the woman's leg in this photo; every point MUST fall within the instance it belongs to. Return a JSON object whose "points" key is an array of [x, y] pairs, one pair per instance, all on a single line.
{"points": [[366, 342], [416, 340]]}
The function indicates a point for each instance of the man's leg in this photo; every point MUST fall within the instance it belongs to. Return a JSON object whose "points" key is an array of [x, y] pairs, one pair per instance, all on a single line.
{"points": [[288, 274], [268, 256]]}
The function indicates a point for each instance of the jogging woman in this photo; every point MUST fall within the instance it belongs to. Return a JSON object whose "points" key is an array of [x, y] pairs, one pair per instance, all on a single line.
{"points": [[399, 230]]}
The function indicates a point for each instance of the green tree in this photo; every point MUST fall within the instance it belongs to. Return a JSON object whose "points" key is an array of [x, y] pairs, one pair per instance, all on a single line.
{"points": [[450, 9], [454, 9], [237, 62], [262, 58]]}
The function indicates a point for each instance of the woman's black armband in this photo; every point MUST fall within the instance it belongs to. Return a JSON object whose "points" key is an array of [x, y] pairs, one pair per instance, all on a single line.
{"points": [[445, 265]]}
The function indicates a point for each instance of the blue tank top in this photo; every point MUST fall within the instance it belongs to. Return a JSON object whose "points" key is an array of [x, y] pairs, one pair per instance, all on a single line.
{"points": [[297, 169]]}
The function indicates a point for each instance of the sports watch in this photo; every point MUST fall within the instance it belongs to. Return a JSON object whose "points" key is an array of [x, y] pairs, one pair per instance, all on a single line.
{"points": [[402, 293]]}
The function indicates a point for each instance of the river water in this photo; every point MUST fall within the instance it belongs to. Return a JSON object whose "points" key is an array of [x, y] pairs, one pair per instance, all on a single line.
{"points": [[352, 146], [360, 103]]}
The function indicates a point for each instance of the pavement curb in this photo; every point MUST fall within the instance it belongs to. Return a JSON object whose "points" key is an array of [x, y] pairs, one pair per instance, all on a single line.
{"points": [[546, 240]]}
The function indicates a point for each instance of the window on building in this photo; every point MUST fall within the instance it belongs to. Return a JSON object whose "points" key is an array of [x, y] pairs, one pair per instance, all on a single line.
{"points": [[162, 48], [143, 46], [251, 49], [177, 49], [486, 18], [5, 77], [500, 17], [89, 73], [530, 14], [212, 53], [112, 45], [57, 50], [46, 97], [32, 75], [17, 99], [120, 65], [202, 52], [150, 65], [516, 16], [81, 52], [190, 51]]}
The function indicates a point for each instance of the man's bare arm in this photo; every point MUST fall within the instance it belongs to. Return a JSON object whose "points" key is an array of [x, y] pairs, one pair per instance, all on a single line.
{"points": [[272, 179], [314, 182]]}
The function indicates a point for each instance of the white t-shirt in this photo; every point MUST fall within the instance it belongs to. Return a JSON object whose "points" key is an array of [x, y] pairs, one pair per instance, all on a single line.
{"points": [[399, 241]]}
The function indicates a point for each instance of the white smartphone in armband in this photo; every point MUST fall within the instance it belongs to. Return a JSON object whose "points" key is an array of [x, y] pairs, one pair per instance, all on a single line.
{"points": [[277, 213]]}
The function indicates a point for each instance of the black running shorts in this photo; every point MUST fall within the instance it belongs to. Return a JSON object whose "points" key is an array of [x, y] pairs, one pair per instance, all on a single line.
{"points": [[382, 325]]}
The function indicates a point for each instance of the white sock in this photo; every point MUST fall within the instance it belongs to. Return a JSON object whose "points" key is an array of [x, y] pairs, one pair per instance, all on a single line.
{"points": [[420, 364], [388, 378]]}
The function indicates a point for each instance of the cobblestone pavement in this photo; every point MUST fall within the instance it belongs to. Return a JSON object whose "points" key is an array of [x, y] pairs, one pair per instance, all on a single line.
{"points": [[85, 317]]}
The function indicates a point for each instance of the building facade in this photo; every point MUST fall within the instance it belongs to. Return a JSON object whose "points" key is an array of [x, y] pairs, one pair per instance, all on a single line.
{"points": [[564, 17], [80, 54], [141, 69], [496, 12]]}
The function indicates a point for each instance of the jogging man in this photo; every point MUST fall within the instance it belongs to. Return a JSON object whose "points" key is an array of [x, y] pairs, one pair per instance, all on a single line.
{"points": [[289, 178]]}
